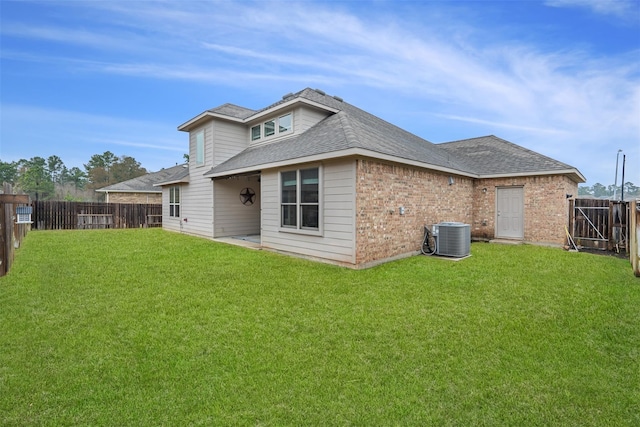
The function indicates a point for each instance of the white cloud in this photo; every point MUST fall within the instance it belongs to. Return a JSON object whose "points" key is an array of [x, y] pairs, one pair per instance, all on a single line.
{"points": [[624, 9], [552, 98]]}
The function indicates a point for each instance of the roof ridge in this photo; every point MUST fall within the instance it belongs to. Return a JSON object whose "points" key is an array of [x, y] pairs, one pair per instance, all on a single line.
{"points": [[514, 145], [469, 139], [347, 127]]}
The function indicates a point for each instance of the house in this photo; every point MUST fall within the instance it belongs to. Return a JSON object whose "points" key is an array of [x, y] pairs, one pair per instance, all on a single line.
{"points": [[141, 189], [315, 176]]}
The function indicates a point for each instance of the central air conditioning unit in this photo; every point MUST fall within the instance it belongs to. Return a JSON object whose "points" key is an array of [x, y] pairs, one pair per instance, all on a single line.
{"points": [[454, 239]]}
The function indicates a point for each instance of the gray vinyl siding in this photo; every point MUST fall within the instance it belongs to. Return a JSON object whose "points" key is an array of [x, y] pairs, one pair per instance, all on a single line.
{"points": [[230, 139], [306, 117], [337, 242], [222, 140], [196, 208], [232, 218]]}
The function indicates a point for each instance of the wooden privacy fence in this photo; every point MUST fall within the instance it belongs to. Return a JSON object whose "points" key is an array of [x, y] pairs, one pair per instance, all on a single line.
{"points": [[600, 224], [51, 215], [13, 227]]}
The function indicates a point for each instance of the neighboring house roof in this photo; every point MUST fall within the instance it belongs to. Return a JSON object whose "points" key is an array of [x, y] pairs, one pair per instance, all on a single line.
{"points": [[352, 131], [179, 174], [147, 183]]}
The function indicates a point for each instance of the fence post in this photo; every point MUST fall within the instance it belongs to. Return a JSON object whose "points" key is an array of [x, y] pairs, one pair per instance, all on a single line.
{"points": [[634, 237], [11, 234]]}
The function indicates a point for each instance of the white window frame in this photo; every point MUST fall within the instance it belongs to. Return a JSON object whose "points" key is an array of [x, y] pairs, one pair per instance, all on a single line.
{"points": [[286, 130], [199, 148], [298, 228], [173, 203], [276, 130], [258, 136]]}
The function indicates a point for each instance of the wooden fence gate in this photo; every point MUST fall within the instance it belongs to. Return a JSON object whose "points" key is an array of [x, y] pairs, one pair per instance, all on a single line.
{"points": [[52, 215], [600, 224], [14, 225]]}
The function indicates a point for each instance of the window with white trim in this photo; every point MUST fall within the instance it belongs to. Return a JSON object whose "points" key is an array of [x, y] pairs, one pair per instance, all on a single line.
{"points": [[285, 123], [269, 128], [273, 127], [200, 148], [255, 133], [300, 199], [174, 201]]}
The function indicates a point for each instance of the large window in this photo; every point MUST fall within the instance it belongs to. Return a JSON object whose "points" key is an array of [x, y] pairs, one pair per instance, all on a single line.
{"points": [[273, 127], [174, 201], [300, 199], [200, 148]]}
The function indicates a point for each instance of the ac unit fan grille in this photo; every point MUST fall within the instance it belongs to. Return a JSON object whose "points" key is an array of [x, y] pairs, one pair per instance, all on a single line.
{"points": [[454, 239]]}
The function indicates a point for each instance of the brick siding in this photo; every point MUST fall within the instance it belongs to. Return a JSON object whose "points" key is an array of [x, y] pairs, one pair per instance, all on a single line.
{"points": [[135, 197], [382, 188], [427, 198], [545, 207]]}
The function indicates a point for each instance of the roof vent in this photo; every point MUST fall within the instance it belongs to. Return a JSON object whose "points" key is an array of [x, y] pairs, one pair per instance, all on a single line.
{"points": [[289, 95], [321, 92], [337, 98]]}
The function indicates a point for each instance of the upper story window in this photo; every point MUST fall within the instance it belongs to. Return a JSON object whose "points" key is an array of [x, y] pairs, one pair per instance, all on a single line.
{"points": [[255, 133], [284, 123], [200, 148], [269, 128], [273, 127]]}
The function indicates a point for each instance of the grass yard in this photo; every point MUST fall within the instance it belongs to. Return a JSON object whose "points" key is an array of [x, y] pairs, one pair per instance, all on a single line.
{"points": [[148, 328]]}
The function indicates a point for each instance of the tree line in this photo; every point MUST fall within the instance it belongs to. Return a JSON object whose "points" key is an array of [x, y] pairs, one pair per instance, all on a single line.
{"points": [[50, 179], [608, 192]]}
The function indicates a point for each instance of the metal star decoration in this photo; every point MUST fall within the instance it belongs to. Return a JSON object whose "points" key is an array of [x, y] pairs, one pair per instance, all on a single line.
{"points": [[247, 196]]}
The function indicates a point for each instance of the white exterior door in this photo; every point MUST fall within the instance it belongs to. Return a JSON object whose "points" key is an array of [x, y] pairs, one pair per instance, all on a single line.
{"points": [[510, 213]]}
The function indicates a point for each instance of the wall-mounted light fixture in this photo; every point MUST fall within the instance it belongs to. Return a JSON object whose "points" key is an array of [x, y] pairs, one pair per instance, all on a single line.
{"points": [[484, 190], [451, 181]]}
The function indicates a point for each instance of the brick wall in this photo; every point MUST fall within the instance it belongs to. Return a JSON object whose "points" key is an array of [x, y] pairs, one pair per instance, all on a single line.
{"points": [[135, 197], [545, 207], [427, 197]]}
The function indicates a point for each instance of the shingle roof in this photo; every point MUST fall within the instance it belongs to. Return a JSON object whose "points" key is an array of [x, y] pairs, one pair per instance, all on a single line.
{"points": [[148, 183], [490, 155], [234, 111], [354, 129], [350, 128]]}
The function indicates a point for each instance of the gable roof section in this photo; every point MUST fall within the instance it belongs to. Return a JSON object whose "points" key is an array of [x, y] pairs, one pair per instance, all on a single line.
{"points": [[225, 111], [146, 183], [351, 131], [348, 130], [491, 156]]}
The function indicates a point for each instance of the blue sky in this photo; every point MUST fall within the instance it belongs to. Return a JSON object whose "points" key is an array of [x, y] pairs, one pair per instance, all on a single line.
{"points": [[560, 77]]}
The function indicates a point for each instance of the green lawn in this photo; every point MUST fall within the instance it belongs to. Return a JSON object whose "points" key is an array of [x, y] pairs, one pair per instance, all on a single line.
{"points": [[146, 327]]}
